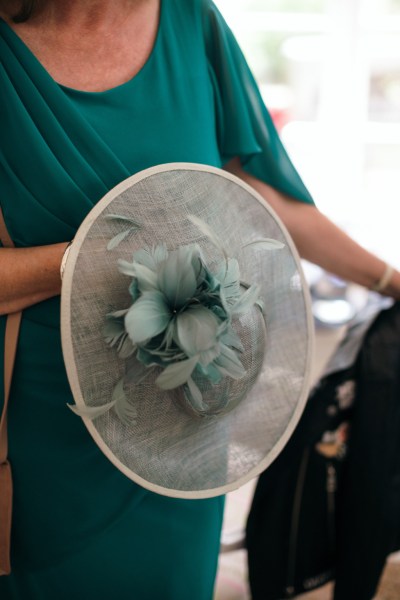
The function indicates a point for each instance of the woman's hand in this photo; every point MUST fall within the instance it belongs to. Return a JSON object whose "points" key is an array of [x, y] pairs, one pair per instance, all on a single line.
{"points": [[320, 241], [29, 275]]}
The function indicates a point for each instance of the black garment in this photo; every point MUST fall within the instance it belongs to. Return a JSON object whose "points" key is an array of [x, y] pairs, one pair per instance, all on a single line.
{"points": [[302, 528], [291, 525], [369, 505]]}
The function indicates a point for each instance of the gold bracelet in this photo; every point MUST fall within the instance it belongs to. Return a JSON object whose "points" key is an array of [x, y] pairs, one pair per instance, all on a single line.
{"points": [[64, 260], [384, 280]]}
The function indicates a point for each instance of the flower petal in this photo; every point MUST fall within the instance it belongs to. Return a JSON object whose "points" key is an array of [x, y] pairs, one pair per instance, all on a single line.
{"points": [[146, 278], [176, 374], [151, 257], [246, 301], [134, 290], [194, 397], [148, 358], [113, 330], [206, 357], [118, 313], [126, 267], [229, 276], [231, 338], [229, 364], [147, 317], [177, 276], [126, 348], [210, 371], [196, 330]]}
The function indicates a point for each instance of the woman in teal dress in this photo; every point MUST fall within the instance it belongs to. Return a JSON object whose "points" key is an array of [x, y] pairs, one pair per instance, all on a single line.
{"points": [[70, 131]]}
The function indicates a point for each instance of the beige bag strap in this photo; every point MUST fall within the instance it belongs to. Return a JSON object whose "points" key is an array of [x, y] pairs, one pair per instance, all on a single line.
{"points": [[10, 348]]}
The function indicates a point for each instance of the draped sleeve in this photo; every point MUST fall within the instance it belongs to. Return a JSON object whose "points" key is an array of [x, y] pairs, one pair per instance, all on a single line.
{"points": [[244, 125]]}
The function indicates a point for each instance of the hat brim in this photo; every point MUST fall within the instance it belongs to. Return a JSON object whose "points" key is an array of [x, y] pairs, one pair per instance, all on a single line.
{"points": [[168, 451]]}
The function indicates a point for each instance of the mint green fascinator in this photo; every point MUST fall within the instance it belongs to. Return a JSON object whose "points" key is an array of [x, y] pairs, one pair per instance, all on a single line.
{"points": [[186, 330]]}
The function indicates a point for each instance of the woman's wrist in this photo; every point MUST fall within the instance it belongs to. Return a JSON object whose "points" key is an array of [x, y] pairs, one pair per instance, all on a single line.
{"points": [[383, 282], [29, 275], [392, 288], [388, 283]]}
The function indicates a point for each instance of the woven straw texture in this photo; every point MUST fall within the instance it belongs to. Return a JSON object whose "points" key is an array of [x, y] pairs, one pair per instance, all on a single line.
{"points": [[169, 450]]}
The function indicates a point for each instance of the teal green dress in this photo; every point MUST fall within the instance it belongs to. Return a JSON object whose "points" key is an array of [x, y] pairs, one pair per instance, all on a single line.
{"points": [[81, 529]]}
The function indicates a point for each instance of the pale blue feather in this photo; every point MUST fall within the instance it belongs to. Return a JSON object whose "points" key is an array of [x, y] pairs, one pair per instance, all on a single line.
{"points": [[147, 317], [209, 233], [265, 244], [91, 412], [176, 374], [117, 239], [229, 364], [246, 301], [194, 396], [230, 338], [112, 217], [151, 257], [177, 277], [147, 280], [196, 330], [210, 372], [123, 406]]}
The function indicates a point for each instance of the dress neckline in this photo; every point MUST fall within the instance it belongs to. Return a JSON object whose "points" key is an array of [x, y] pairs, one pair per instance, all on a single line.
{"points": [[114, 89]]}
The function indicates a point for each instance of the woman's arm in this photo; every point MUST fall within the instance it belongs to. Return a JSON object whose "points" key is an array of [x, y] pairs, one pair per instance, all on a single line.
{"points": [[319, 240], [29, 275]]}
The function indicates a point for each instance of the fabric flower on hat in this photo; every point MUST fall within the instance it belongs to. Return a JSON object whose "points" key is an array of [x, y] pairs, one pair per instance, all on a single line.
{"points": [[180, 320]]}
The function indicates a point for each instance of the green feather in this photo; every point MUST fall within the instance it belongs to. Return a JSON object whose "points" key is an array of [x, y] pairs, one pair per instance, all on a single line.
{"points": [[229, 364], [196, 330], [177, 277], [117, 239], [151, 257], [124, 408], [91, 412], [147, 317], [208, 232], [265, 244], [112, 217], [194, 397], [176, 374], [246, 301]]}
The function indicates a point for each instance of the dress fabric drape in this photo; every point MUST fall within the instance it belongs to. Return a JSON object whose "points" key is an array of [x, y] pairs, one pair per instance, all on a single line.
{"points": [[80, 528]]}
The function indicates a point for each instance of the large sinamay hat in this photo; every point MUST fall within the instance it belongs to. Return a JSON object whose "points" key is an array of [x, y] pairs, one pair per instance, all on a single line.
{"points": [[186, 330]]}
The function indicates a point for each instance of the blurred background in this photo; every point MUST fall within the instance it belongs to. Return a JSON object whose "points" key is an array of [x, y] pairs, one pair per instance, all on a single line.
{"points": [[329, 72]]}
